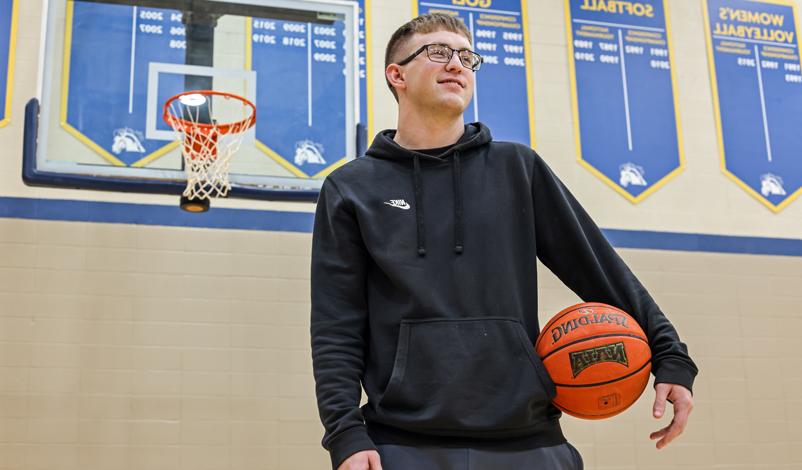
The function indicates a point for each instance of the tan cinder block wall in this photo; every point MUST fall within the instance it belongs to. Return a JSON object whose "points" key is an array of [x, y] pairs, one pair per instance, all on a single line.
{"points": [[139, 347], [125, 347], [145, 347]]}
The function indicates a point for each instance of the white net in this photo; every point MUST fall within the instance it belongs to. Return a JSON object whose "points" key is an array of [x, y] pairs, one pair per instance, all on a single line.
{"points": [[208, 143]]}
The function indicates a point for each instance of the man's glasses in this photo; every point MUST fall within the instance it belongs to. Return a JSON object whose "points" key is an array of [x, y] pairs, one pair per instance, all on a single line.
{"points": [[442, 53]]}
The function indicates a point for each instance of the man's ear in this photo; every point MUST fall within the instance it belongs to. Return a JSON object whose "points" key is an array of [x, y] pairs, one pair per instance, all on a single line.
{"points": [[395, 76]]}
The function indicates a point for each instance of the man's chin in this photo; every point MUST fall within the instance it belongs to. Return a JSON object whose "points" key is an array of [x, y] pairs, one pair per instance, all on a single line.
{"points": [[453, 104]]}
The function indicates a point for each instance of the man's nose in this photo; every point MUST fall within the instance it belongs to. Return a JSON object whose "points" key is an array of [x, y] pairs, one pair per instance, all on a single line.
{"points": [[454, 65]]}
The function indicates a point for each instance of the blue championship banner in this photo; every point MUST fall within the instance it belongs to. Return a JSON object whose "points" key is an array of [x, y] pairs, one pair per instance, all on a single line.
{"points": [[624, 95], [365, 85], [107, 111], [8, 34], [502, 97], [300, 94], [753, 53]]}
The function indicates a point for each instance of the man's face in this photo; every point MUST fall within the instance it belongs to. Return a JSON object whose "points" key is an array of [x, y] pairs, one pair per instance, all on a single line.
{"points": [[436, 85]]}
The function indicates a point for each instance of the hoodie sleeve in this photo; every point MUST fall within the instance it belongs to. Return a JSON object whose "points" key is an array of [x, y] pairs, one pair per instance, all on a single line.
{"points": [[571, 245], [338, 324]]}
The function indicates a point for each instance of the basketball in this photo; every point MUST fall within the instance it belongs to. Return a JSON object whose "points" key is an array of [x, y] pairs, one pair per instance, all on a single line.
{"points": [[598, 358]]}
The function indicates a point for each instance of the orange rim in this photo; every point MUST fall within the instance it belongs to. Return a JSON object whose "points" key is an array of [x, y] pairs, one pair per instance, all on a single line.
{"points": [[225, 128]]}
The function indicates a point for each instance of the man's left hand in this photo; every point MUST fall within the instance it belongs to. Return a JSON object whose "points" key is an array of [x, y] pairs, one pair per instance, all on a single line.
{"points": [[682, 400]]}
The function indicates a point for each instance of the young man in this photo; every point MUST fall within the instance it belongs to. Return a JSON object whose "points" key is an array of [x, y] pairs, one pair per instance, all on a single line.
{"points": [[424, 284]]}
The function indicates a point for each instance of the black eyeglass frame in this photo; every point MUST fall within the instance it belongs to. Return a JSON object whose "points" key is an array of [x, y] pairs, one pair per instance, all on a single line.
{"points": [[425, 47]]}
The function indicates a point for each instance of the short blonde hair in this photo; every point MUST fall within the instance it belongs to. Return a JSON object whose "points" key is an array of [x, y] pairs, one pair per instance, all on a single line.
{"points": [[423, 24]]}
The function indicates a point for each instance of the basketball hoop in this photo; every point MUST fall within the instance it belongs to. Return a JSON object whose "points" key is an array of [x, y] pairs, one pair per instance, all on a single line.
{"points": [[208, 143]]}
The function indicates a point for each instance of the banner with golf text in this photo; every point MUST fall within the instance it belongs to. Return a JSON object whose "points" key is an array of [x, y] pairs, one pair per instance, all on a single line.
{"points": [[502, 96]]}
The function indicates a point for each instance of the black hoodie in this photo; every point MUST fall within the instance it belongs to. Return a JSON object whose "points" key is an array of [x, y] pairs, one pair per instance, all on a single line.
{"points": [[424, 291]]}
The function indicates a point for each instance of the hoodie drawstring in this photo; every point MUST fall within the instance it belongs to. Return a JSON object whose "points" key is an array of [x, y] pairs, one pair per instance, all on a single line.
{"points": [[459, 229], [418, 185]]}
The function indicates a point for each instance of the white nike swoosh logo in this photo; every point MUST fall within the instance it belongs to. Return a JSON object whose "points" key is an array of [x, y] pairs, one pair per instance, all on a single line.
{"points": [[405, 206]]}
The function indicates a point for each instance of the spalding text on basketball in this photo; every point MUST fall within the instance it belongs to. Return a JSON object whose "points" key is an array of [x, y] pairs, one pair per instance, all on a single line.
{"points": [[564, 329]]}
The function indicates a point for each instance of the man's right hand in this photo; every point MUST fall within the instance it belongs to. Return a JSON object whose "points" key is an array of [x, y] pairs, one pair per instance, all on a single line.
{"points": [[363, 460]]}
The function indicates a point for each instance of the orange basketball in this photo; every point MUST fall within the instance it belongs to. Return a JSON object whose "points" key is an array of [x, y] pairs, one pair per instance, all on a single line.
{"points": [[598, 357]]}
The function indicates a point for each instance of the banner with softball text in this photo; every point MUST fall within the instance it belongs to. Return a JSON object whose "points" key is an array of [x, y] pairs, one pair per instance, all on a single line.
{"points": [[626, 122], [756, 77], [502, 96]]}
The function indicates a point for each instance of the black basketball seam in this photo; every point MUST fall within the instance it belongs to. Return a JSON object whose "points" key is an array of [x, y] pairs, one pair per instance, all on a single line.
{"points": [[593, 337], [579, 307], [609, 381]]}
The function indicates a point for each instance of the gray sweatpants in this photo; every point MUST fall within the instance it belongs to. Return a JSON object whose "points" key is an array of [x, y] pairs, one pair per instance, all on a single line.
{"points": [[560, 457]]}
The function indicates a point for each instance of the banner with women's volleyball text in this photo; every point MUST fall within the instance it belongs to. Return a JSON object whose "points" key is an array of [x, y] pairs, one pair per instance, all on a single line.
{"points": [[756, 77]]}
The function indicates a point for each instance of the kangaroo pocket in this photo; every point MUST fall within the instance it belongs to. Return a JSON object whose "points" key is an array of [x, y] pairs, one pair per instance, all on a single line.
{"points": [[470, 377]]}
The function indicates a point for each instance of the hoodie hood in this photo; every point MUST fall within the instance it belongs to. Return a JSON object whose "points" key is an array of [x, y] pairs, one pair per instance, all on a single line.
{"points": [[384, 147]]}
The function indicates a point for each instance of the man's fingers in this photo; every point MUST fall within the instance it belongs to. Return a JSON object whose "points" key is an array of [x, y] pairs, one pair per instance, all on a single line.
{"points": [[681, 411], [682, 400], [665, 435], [670, 432], [661, 393], [677, 426], [375, 461], [660, 433], [673, 431]]}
